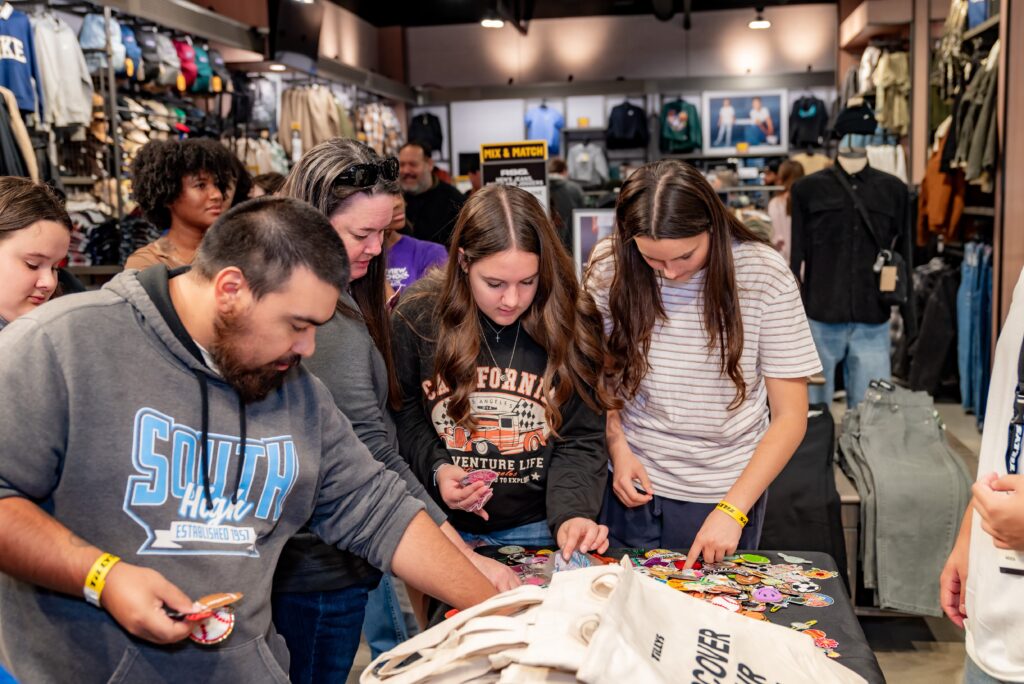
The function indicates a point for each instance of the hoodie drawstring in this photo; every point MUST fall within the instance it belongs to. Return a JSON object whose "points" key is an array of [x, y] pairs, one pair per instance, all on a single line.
{"points": [[204, 458], [241, 450], [204, 392]]}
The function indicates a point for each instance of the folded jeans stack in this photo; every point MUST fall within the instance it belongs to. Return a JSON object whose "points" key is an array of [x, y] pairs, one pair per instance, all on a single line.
{"points": [[913, 492]]}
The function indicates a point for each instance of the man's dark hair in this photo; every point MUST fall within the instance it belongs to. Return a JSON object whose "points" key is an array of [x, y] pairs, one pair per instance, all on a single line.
{"points": [[161, 164], [557, 165], [243, 182], [268, 238], [427, 151], [270, 182]]}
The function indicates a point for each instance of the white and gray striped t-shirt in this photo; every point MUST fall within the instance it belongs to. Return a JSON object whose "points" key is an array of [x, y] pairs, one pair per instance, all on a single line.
{"points": [[679, 425]]}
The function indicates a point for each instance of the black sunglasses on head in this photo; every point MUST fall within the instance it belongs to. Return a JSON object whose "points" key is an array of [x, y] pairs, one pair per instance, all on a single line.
{"points": [[365, 175]]}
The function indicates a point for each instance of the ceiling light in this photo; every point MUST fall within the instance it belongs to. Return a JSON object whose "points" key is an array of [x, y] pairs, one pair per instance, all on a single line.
{"points": [[759, 23], [278, 67], [492, 22]]}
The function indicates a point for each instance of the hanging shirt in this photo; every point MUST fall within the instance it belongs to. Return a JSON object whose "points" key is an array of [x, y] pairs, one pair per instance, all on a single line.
{"points": [[19, 70], [65, 81], [545, 123], [693, 446], [832, 244], [587, 164]]}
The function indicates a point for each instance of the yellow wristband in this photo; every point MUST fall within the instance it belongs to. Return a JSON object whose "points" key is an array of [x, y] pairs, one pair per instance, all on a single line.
{"points": [[97, 578], [733, 512]]}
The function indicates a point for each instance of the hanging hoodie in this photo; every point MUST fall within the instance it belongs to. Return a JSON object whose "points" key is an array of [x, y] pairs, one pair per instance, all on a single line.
{"points": [[808, 122], [19, 70], [627, 127], [125, 474], [67, 86]]}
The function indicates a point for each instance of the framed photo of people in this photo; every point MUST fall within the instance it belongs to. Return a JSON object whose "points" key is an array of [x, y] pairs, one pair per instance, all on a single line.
{"points": [[745, 122], [589, 226]]}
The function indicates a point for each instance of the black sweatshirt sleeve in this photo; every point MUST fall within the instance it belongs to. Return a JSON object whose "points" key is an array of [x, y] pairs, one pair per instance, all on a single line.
{"points": [[418, 441], [579, 466]]}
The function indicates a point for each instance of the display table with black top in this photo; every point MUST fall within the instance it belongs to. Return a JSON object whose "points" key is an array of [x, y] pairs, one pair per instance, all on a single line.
{"points": [[837, 620]]}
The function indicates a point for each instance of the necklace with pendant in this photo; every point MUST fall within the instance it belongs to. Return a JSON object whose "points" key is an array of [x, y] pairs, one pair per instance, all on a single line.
{"points": [[497, 333], [504, 373]]}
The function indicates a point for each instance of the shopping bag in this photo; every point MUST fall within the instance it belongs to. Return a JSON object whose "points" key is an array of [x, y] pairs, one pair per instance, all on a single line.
{"points": [[652, 633]]}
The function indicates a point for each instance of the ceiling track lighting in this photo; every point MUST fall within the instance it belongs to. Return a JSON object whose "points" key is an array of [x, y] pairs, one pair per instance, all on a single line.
{"points": [[759, 23]]}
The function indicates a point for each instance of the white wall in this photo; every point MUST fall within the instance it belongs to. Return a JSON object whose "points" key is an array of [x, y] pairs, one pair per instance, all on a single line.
{"points": [[634, 47], [486, 121]]}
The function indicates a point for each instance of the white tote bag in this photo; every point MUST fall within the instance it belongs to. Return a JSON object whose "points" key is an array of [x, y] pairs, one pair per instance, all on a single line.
{"points": [[652, 633]]}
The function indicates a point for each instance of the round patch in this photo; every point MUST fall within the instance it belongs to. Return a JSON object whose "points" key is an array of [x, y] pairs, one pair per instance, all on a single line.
{"points": [[747, 580], [545, 552], [767, 595], [509, 550], [755, 559], [827, 644], [805, 587], [654, 553], [818, 600], [215, 628], [754, 615]]}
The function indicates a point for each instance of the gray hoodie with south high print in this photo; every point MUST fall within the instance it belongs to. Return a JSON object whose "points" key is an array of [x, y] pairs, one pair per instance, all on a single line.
{"points": [[100, 419]]}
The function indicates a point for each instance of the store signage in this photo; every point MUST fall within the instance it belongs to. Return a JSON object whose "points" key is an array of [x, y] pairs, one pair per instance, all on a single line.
{"points": [[522, 164]]}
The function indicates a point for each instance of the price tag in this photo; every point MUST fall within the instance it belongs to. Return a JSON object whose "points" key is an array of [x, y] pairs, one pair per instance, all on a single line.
{"points": [[887, 281], [129, 67], [217, 84], [180, 84]]}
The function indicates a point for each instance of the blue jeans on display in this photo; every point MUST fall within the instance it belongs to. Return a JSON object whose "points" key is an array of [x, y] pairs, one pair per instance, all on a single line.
{"points": [[385, 626], [531, 534], [863, 351], [964, 323], [983, 331], [975, 675], [322, 631]]}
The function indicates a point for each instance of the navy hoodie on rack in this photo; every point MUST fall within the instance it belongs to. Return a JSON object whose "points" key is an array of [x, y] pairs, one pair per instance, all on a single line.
{"points": [[19, 71]]}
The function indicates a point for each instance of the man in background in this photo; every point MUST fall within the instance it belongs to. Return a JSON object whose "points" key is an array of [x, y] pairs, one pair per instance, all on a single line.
{"points": [[431, 205]]}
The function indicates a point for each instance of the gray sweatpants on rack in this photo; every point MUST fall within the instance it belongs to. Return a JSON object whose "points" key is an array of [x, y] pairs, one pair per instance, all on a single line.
{"points": [[914, 490]]}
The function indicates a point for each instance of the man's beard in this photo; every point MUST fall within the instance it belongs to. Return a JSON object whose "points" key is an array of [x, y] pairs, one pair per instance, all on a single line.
{"points": [[252, 384]]}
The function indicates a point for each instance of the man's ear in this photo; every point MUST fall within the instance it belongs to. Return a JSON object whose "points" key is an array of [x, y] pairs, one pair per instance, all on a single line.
{"points": [[231, 291]]}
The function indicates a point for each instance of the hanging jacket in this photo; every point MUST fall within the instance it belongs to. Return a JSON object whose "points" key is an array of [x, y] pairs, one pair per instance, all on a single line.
{"points": [[680, 127], [22, 141], [808, 122], [66, 84], [128, 475], [426, 128], [627, 127], [19, 70]]}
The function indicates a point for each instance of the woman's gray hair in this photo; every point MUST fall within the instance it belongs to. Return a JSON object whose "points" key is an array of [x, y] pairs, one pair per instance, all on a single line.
{"points": [[314, 178]]}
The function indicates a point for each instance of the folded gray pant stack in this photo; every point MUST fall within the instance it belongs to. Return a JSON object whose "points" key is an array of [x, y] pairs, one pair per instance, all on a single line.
{"points": [[913, 490]]}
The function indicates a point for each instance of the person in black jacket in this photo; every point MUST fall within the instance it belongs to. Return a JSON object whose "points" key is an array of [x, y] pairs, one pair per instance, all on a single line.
{"points": [[498, 359], [431, 204]]}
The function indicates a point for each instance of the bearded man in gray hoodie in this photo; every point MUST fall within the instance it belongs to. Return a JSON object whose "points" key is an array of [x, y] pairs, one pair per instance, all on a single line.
{"points": [[162, 442]]}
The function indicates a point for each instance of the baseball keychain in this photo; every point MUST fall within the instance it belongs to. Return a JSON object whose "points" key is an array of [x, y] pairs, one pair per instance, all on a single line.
{"points": [[213, 618]]}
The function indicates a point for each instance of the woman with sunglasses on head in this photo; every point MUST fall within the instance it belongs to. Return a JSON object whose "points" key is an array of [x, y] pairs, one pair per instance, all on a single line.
{"points": [[320, 593], [35, 232], [706, 331], [499, 359]]}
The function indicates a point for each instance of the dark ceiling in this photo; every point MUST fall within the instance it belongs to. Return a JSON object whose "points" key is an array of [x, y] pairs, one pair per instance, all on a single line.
{"points": [[437, 12]]}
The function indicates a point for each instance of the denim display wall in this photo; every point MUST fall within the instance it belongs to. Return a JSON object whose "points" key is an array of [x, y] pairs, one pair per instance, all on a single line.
{"points": [[974, 326]]}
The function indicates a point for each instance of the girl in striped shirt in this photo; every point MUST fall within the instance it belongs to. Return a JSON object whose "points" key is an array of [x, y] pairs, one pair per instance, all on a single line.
{"points": [[706, 330]]}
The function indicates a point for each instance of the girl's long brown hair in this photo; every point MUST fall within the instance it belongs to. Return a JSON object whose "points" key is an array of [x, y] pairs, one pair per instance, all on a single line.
{"points": [[562, 318], [314, 180], [667, 200]]}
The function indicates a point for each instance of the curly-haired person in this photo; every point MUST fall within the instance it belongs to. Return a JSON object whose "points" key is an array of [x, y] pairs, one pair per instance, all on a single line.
{"points": [[181, 186]]}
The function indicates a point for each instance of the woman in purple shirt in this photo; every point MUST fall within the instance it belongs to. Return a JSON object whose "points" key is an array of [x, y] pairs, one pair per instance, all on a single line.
{"points": [[408, 258]]}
